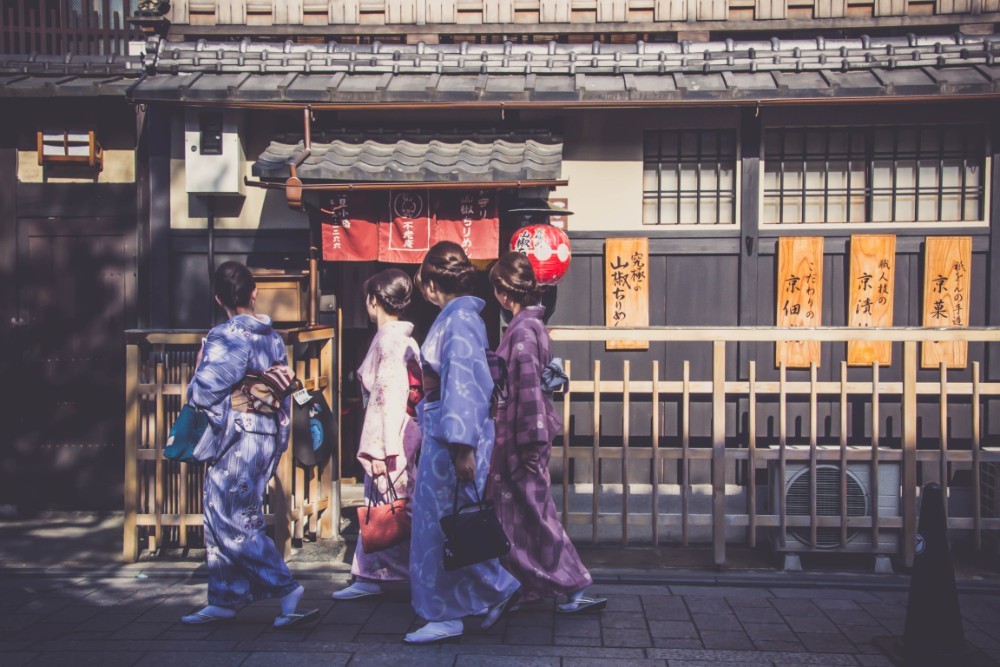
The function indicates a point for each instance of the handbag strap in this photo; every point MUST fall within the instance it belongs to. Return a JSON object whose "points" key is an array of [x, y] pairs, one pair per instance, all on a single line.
{"points": [[479, 500], [390, 493]]}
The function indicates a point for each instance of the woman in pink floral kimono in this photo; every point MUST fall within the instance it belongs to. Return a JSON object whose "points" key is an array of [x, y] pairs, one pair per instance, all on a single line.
{"points": [[542, 557], [390, 437]]}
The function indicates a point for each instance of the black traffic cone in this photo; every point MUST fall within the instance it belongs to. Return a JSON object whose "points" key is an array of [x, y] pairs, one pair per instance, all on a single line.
{"points": [[933, 634]]}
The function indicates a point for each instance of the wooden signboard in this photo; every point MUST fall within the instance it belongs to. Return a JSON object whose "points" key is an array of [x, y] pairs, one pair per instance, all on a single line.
{"points": [[947, 264], [800, 297], [872, 288], [626, 288]]}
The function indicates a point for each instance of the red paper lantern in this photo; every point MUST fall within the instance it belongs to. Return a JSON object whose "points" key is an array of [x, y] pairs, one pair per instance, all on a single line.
{"points": [[548, 250]]}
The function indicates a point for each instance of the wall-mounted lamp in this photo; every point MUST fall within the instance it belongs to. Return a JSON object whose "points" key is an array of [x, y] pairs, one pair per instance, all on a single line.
{"points": [[65, 147]]}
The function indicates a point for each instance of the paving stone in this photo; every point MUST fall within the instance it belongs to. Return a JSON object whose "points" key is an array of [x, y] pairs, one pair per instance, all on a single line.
{"points": [[769, 632], [826, 642], [620, 637], [334, 633], [522, 635], [46, 632], [673, 629], [796, 607], [503, 661], [758, 615], [389, 623], [875, 661], [665, 608], [851, 617], [103, 659], [725, 639], [593, 640], [411, 656], [109, 621], [703, 605], [17, 659], [623, 603], [612, 619], [767, 645], [379, 639], [140, 631], [835, 604], [716, 621], [594, 662], [810, 624], [531, 618], [882, 611], [863, 633], [714, 657], [17, 622], [894, 626], [671, 642], [577, 627], [265, 659], [763, 602]]}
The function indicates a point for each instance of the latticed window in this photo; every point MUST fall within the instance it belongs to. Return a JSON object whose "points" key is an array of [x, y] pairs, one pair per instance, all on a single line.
{"points": [[689, 177], [904, 174]]}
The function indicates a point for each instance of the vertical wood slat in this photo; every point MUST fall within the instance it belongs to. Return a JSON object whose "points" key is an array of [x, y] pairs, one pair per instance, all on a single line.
{"points": [[943, 435], [442, 11], [719, 451], [315, 492], [670, 10], [830, 9], [182, 491], [287, 12], [612, 11], [329, 522], [401, 11], [596, 448], [179, 11], [751, 454], [813, 482], [158, 440], [909, 450], [130, 551], [711, 10], [556, 11], [890, 8], [105, 22], [231, 12], [298, 474], [281, 490], [977, 529], [685, 452], [344, 12], [655, 459], [626, 404], [876, 437], [771, 9], [498, 11], [782, 442], [565, 443], [843, 453]]}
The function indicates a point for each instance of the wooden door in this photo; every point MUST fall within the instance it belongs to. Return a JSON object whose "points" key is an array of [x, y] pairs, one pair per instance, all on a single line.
{"points": [[76, 288]]}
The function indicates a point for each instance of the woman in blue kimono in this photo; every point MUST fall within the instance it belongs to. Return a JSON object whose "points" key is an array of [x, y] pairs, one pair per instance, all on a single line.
{"points": [[242, 450], [457, 444]]}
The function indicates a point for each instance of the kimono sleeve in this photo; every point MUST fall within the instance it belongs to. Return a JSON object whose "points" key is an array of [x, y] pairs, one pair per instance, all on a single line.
{"points": [[529, 416], [466, 383], [223, 364]]}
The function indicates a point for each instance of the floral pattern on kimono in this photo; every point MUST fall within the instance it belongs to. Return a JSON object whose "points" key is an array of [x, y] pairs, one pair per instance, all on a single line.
{"points": [[455, 350], [389, 434], [242, 449], [542, 557]]}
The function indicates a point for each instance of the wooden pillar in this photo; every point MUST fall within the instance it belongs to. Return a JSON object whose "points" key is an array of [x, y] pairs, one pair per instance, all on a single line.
{"points": [[130, 552], [750, 150], [719, 452]]}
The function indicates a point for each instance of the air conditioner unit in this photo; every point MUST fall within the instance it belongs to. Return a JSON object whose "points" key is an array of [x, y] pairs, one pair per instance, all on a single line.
{"points": [[214, 163], [860, 503]]}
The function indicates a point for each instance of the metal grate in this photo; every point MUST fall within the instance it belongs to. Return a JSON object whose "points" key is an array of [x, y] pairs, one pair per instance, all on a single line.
{"points": [[933, 173], [827, 503]]}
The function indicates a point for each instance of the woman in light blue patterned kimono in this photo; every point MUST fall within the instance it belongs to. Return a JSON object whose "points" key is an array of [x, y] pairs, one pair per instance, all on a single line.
{"points": [[242, 450], [457, 444]]}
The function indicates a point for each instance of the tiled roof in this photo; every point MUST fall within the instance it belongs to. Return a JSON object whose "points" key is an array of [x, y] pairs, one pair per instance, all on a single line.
{"points": [[70, 75], [419, 157], [728, 70]]}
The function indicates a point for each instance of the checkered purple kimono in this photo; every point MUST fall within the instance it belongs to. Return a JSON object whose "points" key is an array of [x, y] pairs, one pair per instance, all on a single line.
{"points": [[542, 557]]}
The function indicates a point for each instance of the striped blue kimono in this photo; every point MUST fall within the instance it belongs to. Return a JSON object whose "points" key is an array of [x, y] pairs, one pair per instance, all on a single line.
{"points": [[242, 449], [455, 349]]}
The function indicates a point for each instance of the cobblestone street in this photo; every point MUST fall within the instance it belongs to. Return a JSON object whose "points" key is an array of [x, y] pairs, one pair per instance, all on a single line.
{"points": [[134, 621]]}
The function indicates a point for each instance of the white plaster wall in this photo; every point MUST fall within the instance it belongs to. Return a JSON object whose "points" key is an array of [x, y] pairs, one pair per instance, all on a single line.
{"points": [[119, 167]]}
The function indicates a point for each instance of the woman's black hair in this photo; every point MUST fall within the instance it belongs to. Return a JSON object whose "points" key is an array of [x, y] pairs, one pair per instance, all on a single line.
{"points": [[514, 276], [234, 285], [449, 267], [392, 289]]}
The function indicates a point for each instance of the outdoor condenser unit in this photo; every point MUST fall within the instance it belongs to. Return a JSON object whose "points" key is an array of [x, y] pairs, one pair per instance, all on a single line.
{"points": [[860, 503], [213, 152]]}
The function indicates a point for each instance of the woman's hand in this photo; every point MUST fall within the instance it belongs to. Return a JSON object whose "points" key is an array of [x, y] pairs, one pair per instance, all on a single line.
{"points": [[465, 464], [378, 467]]}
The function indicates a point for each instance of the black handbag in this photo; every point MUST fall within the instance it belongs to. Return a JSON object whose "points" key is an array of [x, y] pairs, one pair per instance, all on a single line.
{"points": [[472, 534]]}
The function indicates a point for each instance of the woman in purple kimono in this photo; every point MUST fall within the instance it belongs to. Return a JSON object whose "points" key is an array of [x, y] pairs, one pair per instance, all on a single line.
{"points": [[242, 450], [456, 447], [390, 437], [542, 557]]}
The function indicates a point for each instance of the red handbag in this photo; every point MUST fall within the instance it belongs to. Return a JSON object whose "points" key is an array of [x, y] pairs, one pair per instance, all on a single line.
{"points": [[385, 525]]}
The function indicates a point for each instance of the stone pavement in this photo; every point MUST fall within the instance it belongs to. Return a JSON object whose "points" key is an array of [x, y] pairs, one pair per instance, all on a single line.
{"points": [[112, 621]]}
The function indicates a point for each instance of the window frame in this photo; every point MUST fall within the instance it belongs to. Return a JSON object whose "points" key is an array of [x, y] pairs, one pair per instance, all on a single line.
{"points": [[909, 226], [730, 227]]}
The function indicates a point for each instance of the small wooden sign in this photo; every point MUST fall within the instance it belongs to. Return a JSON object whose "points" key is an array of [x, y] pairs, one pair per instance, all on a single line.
{"points": [[872, 288], [626, 288], [947, 265], [800, 297]]}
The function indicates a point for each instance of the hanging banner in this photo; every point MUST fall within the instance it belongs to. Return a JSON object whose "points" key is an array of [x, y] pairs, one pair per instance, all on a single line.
{"points": [[349, 228], [947, 264], [872, 288], [469, 218], [406, 238], [626, 288], [799, 297]]}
